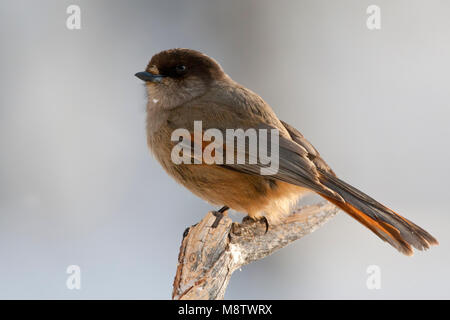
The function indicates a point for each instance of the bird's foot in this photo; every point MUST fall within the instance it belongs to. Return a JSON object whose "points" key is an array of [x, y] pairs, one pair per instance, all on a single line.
{"points": [[259, 219], [219, 215]]}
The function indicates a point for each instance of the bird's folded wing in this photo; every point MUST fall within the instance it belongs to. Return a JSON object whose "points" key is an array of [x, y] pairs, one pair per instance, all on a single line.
{"points": [[290, 161]]}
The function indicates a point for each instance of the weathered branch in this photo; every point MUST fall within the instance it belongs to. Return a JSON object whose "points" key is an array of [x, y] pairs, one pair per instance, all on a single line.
{"points": [[208, 256]]}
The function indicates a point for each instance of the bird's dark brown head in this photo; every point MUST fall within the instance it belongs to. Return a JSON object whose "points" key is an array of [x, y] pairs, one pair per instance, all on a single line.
{"points": [[177, 75]]}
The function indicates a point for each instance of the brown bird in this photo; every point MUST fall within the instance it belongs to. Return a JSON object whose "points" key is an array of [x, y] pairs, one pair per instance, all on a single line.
{"points": [[184, 86]]}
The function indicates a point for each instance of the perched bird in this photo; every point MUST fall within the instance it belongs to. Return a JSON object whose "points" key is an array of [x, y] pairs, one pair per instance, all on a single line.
{"points": [[185, 86]]}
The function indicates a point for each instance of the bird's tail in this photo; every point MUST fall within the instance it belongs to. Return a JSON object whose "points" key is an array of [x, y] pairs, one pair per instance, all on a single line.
{"points": [[385, 223]]}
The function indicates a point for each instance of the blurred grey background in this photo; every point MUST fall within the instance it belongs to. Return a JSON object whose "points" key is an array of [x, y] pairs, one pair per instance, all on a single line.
{"points": [[79, 187]]}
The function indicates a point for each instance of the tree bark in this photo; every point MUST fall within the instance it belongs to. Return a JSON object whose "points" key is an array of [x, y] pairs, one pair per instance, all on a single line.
{"points": [[209, 256]]}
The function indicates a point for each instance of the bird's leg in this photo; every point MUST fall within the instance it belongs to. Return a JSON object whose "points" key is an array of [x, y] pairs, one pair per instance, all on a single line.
{"points": [[219, 215]]}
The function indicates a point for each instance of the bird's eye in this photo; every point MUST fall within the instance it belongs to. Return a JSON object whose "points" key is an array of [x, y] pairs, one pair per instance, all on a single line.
{"points": [[180, 69]]}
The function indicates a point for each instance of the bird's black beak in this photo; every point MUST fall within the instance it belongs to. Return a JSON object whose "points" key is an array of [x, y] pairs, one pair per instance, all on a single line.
{"points": [[149, 77]]}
